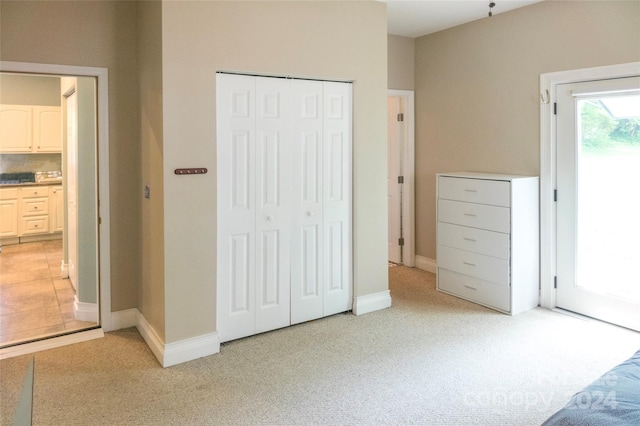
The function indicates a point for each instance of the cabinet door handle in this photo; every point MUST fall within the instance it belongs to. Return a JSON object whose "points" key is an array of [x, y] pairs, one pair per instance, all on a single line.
{"points": [[470, 214], [469, 264], [469, 287], [469, 239], [470, 190]]}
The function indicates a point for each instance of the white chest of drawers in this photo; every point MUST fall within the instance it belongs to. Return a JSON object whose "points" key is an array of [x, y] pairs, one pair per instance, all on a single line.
{"points": [[488, 239]]}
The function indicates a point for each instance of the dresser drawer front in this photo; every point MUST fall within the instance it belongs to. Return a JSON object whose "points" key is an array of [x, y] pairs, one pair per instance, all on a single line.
{"points": [[492, 192], [480, 216], [491, 243], [476, 265], [474, 289]]}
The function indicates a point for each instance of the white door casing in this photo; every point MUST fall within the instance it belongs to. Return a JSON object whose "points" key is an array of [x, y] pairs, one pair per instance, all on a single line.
{"points": [[104, 242], [284, 202]]}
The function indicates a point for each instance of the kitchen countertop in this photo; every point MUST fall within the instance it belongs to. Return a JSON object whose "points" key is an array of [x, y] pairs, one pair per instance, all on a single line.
{"points": [[44, 183]]}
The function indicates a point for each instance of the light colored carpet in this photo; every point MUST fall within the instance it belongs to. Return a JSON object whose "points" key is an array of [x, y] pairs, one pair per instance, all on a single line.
{"points": [[430, 359]]}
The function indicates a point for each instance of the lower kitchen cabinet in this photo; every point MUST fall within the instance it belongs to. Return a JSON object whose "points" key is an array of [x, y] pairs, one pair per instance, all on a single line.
{"points": [[27, 213], [8, 212]]}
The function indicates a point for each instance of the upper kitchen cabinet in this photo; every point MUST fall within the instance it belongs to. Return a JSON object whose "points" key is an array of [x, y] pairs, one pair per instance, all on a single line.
{"points": [[29, 129]]}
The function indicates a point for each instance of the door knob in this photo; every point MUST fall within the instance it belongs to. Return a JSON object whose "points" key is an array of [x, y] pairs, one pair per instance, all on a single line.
{"points": [[269, 218], [309, 213]]}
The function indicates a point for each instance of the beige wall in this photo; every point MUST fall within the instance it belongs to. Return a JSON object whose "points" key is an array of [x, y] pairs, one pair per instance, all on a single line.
{"points": [[151, 296], [96, 34], [477, 88], [334, 40], [401, 52], [16, 89]]}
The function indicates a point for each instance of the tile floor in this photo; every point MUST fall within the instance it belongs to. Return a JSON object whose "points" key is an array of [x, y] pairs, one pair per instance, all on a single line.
{"points": [[35, 301]]}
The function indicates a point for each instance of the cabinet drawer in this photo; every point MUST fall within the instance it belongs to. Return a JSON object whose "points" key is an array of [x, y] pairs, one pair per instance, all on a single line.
{"points": [[491, 243], [474, 289], [35, 225], [492, 192], [42, 191], [476, 265], [8, 194], [480, 216], [35, 206]]}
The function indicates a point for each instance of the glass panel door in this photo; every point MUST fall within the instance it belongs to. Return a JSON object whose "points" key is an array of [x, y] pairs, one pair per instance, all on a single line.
{"points": [[598, 207]]}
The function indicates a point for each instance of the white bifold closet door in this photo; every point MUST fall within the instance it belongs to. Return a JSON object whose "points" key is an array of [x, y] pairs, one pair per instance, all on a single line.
{"points": [[284, 202]]}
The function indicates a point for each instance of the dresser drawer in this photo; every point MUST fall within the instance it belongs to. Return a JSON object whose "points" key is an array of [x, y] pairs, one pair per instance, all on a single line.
{"points": [[491, 243], [492, 192], [476, 265], [480, 216], [484, 292]]}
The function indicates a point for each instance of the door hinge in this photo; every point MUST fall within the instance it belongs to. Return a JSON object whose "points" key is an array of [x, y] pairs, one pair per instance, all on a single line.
{"points": [[400, 241], [400, 179], [555, 282], [555, 108], [400, 117], [555, 195]]}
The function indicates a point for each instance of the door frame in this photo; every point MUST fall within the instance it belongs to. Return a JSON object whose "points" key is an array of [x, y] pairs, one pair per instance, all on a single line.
{"points": [[104, 235], [408, 161], [548, 96]]}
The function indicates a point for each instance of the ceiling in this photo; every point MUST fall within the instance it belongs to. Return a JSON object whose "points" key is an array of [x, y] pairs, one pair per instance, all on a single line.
{"points": [[415, 18]]}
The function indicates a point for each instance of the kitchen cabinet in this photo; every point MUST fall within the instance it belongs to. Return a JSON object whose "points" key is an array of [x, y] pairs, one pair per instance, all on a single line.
{"points": [[31, 213], [488, 239], [30, 129], [56, 213], [34, 210], [8, 212], [47, 129]]}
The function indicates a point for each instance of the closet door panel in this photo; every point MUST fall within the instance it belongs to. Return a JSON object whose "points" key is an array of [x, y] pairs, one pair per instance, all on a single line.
{"points": [[307, 268], [336, 201], [236, 207], [273, 211]]}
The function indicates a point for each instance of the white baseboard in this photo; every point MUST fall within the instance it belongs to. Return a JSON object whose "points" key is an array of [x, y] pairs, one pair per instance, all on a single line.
{"points": [[169, 354], [150, 336], [123, 319], [83, 311], [372, 302], [190, 349], [426, 264], [53, 342], [64, 270]]}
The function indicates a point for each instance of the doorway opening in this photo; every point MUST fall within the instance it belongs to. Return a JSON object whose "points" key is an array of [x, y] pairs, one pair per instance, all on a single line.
{"points": [[400, 177], [82, 118]]}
